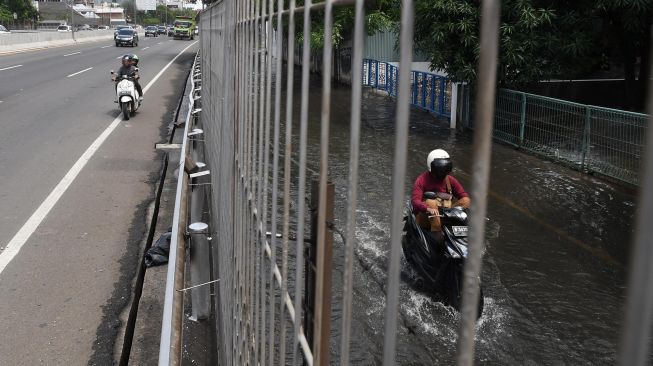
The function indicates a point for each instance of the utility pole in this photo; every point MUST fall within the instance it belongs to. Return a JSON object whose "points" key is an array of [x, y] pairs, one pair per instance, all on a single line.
{"points": [[72, 17]]}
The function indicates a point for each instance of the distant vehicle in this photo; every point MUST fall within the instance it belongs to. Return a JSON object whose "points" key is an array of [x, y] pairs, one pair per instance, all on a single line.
{"points": [[84, 27], [184, 27], [151, 31], [162, 29], [171, 31], [64, 28], [127, 37], [118, 28], [103, 27], [3, 30]]}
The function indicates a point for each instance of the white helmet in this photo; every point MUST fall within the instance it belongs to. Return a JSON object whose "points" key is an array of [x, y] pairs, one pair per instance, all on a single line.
{"points": [[436, 154]]}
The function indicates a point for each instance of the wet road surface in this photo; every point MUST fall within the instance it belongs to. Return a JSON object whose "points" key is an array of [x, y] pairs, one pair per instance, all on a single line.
{"points": [[554, 268]]}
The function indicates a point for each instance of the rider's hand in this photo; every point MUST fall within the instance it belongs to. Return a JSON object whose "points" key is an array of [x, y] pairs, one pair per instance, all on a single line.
{"points": [[432, 211]]}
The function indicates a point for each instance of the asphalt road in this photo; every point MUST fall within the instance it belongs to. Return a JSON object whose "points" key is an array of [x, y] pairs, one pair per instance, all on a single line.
{"points": [[81, 222]]}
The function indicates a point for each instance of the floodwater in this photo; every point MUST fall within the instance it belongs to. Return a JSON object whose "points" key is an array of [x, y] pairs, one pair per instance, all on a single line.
{"points": [[555, 263]]}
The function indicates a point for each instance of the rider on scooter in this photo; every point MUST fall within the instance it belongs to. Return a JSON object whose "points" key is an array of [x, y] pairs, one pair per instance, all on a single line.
{"points": [[129, 68], [438, 180]]}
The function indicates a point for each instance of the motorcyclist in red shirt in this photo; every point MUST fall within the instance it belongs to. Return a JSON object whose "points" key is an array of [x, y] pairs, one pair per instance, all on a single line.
{"points": [[438, 180]]}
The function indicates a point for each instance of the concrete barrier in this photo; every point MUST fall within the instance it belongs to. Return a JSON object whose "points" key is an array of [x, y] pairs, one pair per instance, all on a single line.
{"points": [[14, 42]]}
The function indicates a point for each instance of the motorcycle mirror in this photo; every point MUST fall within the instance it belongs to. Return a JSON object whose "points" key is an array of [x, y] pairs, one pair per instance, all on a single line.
{"points": [[111, 71], [137, 69]]}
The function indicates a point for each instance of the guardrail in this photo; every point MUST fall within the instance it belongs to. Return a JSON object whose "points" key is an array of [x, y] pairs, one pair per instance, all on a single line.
{"points": [[170, 346], [428, 91], [592, 139]]}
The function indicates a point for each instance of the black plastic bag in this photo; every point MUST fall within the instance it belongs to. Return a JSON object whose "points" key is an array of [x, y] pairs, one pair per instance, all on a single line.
{"points": [[158, 253]]}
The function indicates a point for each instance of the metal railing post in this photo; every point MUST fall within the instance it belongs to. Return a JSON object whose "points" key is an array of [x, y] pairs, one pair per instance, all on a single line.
{"points": [[522, 119], [586, 137], [200, 266], [485, 104], [320, 291]]}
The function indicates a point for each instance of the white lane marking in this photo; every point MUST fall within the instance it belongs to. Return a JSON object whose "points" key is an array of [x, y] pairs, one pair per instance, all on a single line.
{"points": [[160, 43], [10, 67], [105, 46], [21, 237], [74, 53], [143, 49], [79, 72]]}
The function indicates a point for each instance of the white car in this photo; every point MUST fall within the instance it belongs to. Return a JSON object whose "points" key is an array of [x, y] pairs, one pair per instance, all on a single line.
{"points": [[4, 30], [64, 28]]}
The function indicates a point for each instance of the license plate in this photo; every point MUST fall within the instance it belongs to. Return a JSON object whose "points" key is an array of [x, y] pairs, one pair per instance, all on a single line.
{"points": [[459, 230]]}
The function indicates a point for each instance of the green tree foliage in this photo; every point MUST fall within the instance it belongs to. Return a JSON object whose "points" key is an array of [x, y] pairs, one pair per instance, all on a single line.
{"points": [[23, 9], [538, 39], [5, 15], [377, 19]]}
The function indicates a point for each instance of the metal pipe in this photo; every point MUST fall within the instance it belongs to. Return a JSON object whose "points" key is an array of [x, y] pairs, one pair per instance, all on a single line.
{"points": [[275, 170], [320, 347], [485, 102], [286, 179], [301, 187], [398, 177], [352, 193], [636, 334]]}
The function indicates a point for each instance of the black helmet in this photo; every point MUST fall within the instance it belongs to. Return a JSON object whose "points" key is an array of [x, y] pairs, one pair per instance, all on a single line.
{"points": [[126, 58], [441, 167]]}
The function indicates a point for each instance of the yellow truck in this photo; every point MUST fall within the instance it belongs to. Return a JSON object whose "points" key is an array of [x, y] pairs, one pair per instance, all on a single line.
{"points": [[184, 28]]}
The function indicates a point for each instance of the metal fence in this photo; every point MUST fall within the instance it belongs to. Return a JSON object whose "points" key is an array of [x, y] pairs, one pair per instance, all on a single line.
{"points": [[259, 318], [588, 138], [260, 298], [429, 91]]}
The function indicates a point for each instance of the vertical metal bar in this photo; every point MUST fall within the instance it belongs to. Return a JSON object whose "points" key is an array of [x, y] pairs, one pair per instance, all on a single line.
{"points": [[423, 86], [321, 347], [586, 137], [286, 182], [441, 96], [257, 242], [267, 280], [387, 71], [352, 188], [398, 178], [301, 194], [369, 72], [433, 92], [522, 119], [275, 175], [485, 103], [634, 348], [376, 74]]}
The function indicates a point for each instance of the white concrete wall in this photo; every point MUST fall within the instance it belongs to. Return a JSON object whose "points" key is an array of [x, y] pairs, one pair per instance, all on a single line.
{"points": [[21, 41]]}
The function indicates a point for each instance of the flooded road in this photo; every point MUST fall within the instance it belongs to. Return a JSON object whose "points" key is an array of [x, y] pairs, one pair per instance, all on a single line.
{"points": [[553, 272]]}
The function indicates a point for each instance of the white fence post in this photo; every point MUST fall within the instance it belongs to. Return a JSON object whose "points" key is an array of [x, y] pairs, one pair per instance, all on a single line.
{"points": [[453, 118]]}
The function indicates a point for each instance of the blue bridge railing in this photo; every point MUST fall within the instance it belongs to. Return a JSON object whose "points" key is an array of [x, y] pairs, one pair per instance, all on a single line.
{"points": [[430, 92]]}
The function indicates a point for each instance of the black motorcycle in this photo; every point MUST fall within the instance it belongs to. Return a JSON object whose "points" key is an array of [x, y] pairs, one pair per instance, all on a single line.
{"points": [[439, 261]]}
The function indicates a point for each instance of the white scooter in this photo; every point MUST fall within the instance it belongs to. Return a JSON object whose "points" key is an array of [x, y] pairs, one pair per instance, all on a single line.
{"points": [[127, 95]]}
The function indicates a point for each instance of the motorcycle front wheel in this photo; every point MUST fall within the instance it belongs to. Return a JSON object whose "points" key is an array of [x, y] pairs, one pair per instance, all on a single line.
{"points": [[125, 111]]}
